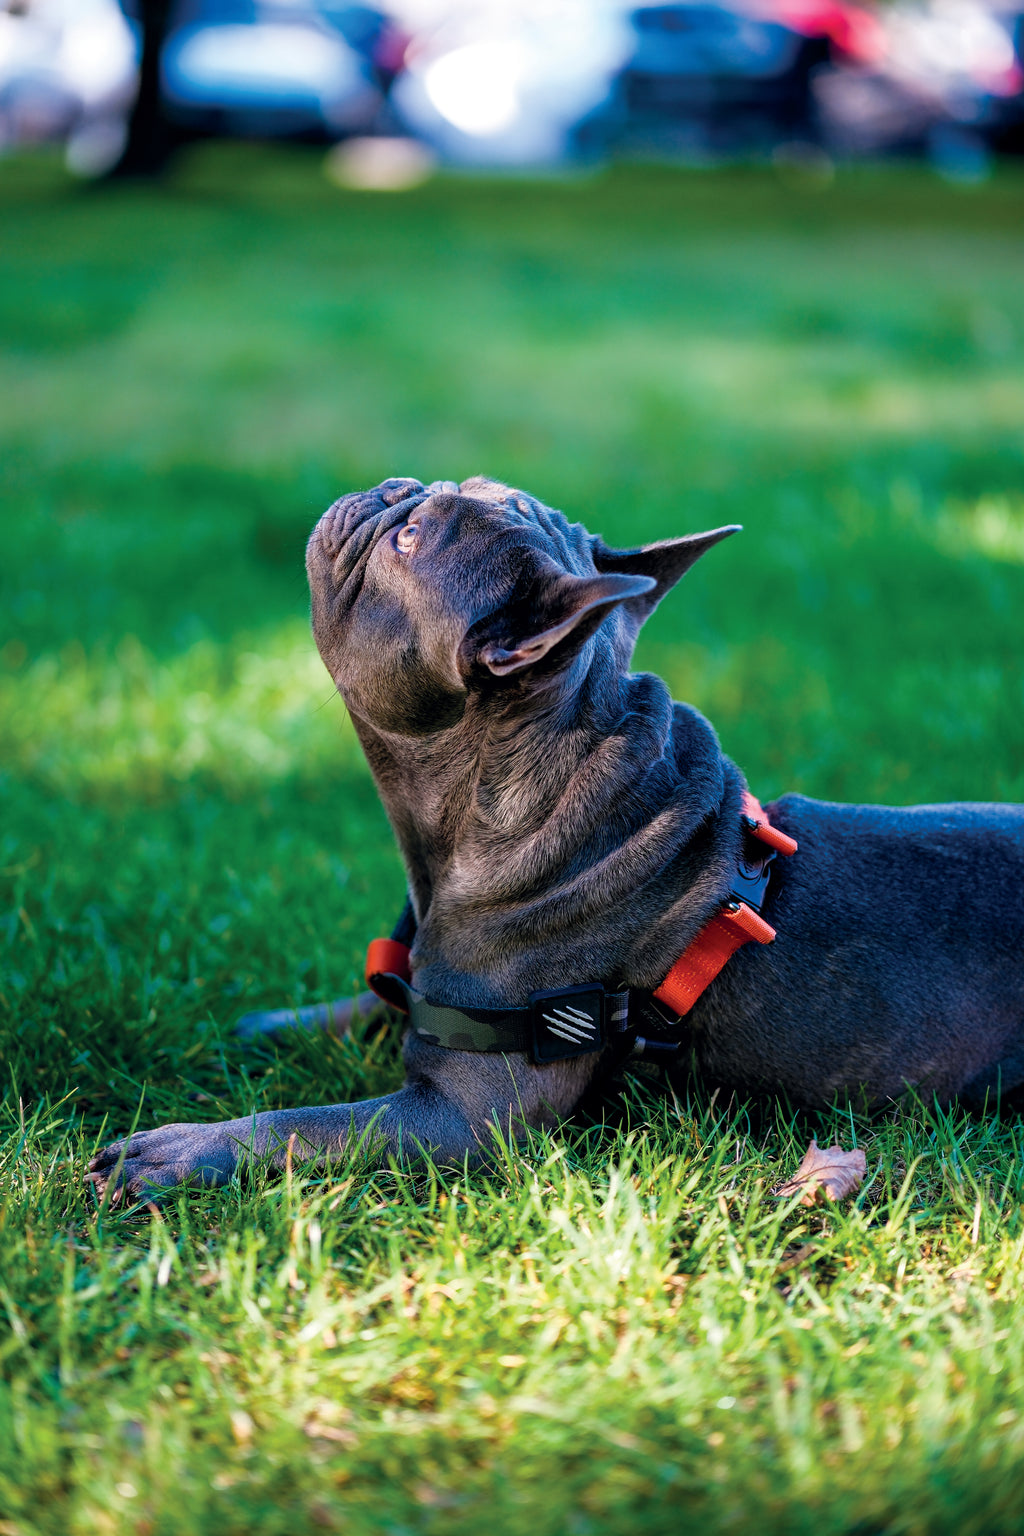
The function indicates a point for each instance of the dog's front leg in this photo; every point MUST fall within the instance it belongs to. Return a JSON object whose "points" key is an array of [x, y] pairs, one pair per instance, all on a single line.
{"points": [[449, 1106], [189, 1153]]}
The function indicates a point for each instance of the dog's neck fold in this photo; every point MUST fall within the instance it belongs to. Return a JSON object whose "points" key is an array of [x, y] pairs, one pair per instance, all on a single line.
{"points": [[581, 831]]}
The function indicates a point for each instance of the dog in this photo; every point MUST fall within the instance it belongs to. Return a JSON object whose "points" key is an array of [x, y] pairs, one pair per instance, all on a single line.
{"points": [[574, 840]]}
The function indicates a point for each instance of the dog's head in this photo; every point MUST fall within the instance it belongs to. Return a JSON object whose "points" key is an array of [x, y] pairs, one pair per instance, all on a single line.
{"points": [[424, 595]]}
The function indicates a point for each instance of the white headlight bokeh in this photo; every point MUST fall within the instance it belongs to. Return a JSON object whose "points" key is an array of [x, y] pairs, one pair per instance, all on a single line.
{"points": [[478, 88], [503, 84]]}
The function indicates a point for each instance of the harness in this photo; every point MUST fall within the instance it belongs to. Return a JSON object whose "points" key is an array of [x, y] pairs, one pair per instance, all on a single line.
{"points": [[574, 1021]]}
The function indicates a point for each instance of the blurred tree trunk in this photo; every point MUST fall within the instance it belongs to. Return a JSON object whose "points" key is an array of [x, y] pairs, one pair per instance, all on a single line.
{"points": [[151, 140]]}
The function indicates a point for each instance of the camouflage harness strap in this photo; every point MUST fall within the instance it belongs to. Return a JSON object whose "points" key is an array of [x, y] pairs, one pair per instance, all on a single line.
{"points": [[572, 1021]]}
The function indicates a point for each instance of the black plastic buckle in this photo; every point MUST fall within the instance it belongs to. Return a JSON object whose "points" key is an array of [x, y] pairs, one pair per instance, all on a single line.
{"points": [[753, 871], [567, 1023], [660, 1032]]}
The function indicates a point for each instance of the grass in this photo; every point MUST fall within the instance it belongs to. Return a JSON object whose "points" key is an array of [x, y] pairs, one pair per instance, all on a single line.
{"points": [[617, 1327]]}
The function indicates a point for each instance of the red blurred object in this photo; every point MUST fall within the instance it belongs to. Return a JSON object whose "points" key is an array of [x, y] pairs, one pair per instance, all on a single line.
{"points": [[852, 30], [1008, 82], [391, 48]]}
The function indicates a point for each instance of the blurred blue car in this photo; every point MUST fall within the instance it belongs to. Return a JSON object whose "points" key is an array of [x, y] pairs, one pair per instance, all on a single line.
{"points": [[248, 69], [707, 78]]}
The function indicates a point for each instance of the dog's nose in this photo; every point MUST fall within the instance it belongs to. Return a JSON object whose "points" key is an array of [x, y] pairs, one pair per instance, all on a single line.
{"points": [[444, 488]]}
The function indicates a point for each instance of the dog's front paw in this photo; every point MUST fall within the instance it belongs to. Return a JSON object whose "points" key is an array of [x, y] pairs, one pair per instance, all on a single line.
{"points": [[171, 1155]]}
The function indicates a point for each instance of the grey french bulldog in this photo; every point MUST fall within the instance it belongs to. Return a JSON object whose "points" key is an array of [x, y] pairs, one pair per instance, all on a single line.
{"points": [[565, 824]]}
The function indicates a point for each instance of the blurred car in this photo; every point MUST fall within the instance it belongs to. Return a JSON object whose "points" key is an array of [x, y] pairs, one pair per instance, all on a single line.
{"points": [[1002, 117], [949, 84], [67, 72], [713, 78], [250, 69]]}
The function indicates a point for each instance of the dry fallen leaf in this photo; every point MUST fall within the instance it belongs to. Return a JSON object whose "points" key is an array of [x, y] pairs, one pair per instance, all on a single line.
{"points": [[831, 1174]]}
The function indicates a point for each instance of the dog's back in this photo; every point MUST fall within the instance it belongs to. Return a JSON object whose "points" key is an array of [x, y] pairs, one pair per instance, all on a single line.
{"points": [[899, 958]]}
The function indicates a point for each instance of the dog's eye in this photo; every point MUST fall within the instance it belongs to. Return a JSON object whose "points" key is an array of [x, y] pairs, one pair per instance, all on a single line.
{"points": [[405, 538]]}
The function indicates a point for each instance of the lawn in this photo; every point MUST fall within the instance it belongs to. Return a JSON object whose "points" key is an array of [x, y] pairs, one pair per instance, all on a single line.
{"points": [[618, 1327]]}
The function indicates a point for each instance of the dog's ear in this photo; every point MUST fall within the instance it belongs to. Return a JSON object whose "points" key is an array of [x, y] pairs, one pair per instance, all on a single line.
{"points": [[566, 606], [664, 563]]}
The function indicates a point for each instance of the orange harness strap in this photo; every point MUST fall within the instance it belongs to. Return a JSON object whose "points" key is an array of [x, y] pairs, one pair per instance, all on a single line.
{"points": [[727, 932], [386, 957], [759, 826]]}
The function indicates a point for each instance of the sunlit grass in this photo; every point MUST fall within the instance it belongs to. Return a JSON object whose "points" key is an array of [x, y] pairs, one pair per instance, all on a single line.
{"points": [[993, 525], [617, 1327], [606, 1328], [123, 720]]}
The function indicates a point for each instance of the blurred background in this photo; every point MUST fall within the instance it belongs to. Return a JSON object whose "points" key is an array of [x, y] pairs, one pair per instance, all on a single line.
{"points": [[540, 83], [667, 267]]}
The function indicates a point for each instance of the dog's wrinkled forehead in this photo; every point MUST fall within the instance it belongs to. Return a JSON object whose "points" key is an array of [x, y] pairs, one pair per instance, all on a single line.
{"points": [[422, 594], [351, 528]]}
